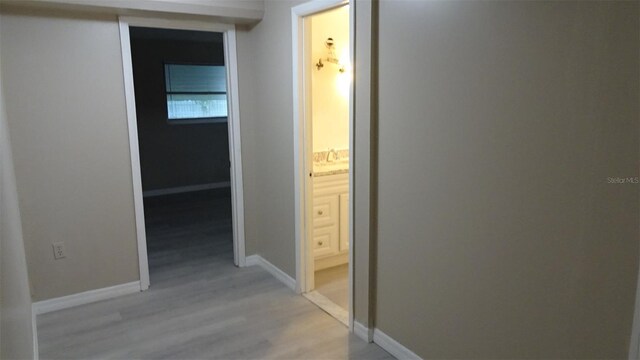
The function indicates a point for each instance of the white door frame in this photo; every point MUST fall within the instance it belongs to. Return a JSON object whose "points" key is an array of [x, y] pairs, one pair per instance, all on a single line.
{"points": [[302, 150], [233, 125]]}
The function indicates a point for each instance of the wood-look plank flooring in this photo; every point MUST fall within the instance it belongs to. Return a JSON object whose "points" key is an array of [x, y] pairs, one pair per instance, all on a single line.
{"points": [[199, 305], [333, 283]]}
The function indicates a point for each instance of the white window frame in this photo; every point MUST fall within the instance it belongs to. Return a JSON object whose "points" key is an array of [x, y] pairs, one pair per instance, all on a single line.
{"points": [[198, 120]]}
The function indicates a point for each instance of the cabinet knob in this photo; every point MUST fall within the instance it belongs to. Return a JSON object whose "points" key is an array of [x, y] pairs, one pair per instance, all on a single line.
{"points": [[320, 243], [320, 212]]}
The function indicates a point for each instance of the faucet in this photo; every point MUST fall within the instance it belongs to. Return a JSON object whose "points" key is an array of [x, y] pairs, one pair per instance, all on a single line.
{"points": [[335, 155]]}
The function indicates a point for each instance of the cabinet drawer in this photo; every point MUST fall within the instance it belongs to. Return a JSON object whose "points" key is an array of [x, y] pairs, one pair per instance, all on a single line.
{"points": [[330, 185], [325, 211], [325, 241]]}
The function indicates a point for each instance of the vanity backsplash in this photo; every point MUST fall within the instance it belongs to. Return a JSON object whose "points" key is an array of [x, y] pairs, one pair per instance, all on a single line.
{"points": [[323, 156], [330, 162]]}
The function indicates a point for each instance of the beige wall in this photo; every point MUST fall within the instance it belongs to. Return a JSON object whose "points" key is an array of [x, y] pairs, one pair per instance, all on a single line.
{"points": [[266, 113], [248, 127], [66, 111], [499, 234], [329, 87], [364, 165], [16, 332]]}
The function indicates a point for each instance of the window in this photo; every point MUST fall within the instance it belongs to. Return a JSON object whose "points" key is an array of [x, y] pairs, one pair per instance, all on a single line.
{"points": [[196, 93]]}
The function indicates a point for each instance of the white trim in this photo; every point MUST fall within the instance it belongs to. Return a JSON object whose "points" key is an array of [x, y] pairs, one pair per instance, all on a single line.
{"points": [[132, 121], [307, 151], [87, 297], [298, 166], [258, 260], [184, 189], [235, 148], [34, 325], [352, 146], [393, 347], [336, 311], [362, 331], [237, 197], [253, 260], [316, 6], [302, 162]]}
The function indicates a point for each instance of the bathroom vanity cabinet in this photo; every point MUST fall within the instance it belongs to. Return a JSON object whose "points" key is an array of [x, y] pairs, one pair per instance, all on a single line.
{"points": [[330, 220]]}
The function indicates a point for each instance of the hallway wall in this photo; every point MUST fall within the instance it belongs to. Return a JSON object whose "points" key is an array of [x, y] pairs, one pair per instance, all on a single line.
{"points": [[16, 331], [65, 100], [498, 133], [501, 234], [499, 130], [66, 112], [266, 93]]}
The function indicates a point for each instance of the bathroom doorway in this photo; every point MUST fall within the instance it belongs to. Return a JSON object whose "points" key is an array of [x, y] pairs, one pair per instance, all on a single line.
{"points": [[324, 94]]}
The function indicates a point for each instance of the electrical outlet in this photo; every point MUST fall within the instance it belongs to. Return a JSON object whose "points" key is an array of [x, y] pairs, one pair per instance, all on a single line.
{"points": [[58, 250]]}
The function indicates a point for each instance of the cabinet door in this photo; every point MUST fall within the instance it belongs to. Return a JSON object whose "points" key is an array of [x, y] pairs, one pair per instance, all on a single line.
{"points": [[325, 211], [344, 222], [325, 241], [326, 225]]}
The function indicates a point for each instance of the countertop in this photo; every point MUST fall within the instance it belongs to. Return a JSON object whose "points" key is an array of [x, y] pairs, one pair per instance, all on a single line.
{"points": [[330, 168]]}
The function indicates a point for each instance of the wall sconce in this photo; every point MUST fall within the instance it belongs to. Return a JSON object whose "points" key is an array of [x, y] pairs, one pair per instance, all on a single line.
{"points": [[331, 56]]}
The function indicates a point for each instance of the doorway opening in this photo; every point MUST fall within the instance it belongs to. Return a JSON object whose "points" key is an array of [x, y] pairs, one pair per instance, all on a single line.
{"points": [[180, 87], [180, 81], [322, 51]]}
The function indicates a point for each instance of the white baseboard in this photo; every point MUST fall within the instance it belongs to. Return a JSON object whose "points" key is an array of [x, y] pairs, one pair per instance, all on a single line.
{"points": [[272, 269], [87, 297], [188, 188], [34, 325], [362, 331], [393, 347]]}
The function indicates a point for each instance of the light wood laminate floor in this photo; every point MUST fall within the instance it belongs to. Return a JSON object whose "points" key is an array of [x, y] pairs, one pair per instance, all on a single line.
{"points": [[199, 305], [333, 283]]}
